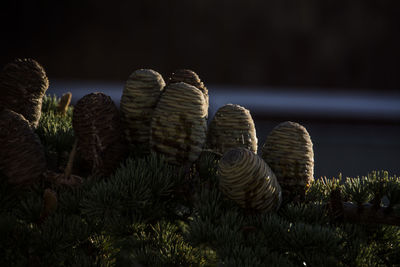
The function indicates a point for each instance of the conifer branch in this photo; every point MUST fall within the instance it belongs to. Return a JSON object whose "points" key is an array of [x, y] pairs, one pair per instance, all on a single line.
{"points": [[364, 213], [367, 213]]}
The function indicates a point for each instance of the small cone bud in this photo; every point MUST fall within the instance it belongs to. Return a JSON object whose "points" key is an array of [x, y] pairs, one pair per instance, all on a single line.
{"points": [[63, 105]]}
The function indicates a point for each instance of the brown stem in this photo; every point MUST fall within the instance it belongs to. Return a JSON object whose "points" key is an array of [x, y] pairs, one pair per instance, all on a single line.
{"points": [[369, 214], [65, 178], [49, 204], [365, 213], [70, 164]]}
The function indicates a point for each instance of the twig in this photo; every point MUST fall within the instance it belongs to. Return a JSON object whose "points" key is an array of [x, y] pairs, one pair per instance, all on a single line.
{"points": [[49, 204], [366, 213], [70, 164], [65, 178]]}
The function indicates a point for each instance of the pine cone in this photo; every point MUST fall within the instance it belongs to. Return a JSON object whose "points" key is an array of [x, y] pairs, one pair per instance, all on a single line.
{"points": [[22, 157], [245, 178], [24, 83], [97, 126], [289, 151], [231, 127], [139, 98], [189, 77], [178, 127]]}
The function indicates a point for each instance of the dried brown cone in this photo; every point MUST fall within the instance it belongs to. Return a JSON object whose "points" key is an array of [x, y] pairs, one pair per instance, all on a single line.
{"points": [[288, 150], [179, 125], [22, 157], [96, 123], [23, 84], [245, 178], [139, 98], [231, 127], [189, 77]]}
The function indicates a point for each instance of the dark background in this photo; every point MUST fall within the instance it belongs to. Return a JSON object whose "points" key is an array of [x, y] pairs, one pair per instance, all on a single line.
{"points": [[332, 44]]}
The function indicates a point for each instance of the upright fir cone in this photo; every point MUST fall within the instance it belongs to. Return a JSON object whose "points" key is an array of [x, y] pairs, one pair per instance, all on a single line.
{"points": [[231, 127], [245, 178], [189, 77], [97, 126], [288, 150], [179, 125], [139, 98], [23, 84], [22, 157]]}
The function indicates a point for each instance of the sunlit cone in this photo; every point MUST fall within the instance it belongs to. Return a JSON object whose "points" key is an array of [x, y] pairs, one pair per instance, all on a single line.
{"points": [[245, 178], [22, 158], [178, 127], [231, 127], [139, 98], [97, 126], [288, 150], [23, 84], [189, 77]]}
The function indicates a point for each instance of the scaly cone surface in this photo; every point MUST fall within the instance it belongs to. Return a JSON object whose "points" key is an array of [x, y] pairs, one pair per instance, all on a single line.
{"points": [[139, 98], [96, 123], [189, 77], [22, 157], [179, 125], [23, 84], [245, 178], [288, 150], [231, 127]]}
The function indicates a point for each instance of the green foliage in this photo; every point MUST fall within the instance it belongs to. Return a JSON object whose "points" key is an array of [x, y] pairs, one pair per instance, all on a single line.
{"points": [[315, 213], [357, 190], [49, 103], [321, 189], [55, 132], [141, 216], [140, 186], [161, 245], [207, 165], [393, 191]]}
